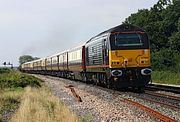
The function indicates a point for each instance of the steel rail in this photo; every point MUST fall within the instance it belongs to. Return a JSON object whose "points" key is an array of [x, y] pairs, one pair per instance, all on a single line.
{"points": [[163, 88], [160, 103], [156, 114], [162, 95]]}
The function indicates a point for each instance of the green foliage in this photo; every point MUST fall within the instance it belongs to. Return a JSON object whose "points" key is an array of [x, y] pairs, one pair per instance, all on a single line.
{"points": [[4, 70], [174, 42], [26, 58], [162, 23], [163, 59], [166, 77], [15, 79], [176, 59]]}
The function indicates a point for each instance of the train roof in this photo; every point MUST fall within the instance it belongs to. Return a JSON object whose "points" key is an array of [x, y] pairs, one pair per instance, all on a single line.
{"points": [[120, 28], [34, 61]]}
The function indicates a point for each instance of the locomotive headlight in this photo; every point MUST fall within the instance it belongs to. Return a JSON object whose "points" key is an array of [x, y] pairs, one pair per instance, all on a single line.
{"points": [[116, 72], [146, 71], [144, 60], [113, 63]]}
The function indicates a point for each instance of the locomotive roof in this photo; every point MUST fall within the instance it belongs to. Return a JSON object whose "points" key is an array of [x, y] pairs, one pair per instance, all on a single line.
{"points": [[120, 28]]}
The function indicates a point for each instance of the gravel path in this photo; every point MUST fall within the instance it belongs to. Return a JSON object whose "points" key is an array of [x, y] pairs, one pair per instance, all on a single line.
{"points": [[98, 105]]}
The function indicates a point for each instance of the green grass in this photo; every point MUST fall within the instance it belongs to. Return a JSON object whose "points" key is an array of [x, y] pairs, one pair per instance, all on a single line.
{"points": [[4, 70], [15, 79], [166, 77]]}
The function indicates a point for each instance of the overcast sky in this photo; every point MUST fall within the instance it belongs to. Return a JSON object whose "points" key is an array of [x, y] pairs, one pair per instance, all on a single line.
{"points": [[44, 27]]}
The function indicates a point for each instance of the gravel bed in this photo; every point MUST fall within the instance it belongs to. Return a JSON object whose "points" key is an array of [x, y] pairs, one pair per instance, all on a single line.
{"points": [[172, 113], [98, 105], [168, 93], [162, 99]]}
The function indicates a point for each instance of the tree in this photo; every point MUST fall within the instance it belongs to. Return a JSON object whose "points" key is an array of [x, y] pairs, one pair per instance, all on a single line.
{"points": [[26, 58], [162, 23]]}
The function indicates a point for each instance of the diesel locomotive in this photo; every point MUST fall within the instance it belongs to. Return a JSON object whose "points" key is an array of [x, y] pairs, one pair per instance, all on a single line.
{"points": [[118, 58]]}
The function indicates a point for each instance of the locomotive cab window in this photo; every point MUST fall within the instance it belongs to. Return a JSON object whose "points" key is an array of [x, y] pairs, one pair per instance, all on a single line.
{"points": [[128, 40]]}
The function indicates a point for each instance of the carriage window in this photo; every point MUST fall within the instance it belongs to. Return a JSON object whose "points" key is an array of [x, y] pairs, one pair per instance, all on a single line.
{"points": [[128, 40]]}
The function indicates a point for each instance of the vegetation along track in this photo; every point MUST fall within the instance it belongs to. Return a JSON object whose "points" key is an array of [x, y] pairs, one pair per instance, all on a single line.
{"points": [[117, 99]]}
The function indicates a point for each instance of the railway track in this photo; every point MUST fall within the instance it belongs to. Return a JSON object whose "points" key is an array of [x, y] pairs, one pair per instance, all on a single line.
{"points": [[154, 113], [164, 96], [150, 102], [149, 110], [156, 100], [158, 87]]}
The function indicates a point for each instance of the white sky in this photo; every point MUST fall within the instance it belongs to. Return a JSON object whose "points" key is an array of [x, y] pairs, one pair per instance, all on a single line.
{"points": [[44, 27]]}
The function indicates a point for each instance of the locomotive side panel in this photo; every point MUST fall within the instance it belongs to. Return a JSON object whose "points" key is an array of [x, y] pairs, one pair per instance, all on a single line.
{"points": [[95, 58]]}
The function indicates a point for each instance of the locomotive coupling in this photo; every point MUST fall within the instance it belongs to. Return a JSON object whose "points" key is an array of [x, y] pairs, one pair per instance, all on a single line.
{"points": [[116, 72], [146, 71]]}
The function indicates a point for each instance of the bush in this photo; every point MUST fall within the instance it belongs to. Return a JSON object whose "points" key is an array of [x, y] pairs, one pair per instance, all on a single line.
{"points": [[15, 79], [177, 61], [163, 59], [4, 70]]}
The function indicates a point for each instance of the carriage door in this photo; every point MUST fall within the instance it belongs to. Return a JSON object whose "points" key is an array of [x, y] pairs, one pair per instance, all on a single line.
{"points": [[105, 52]]}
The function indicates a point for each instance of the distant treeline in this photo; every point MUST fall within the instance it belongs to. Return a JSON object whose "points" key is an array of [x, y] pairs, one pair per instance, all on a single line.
{"points": [[162, 23]]}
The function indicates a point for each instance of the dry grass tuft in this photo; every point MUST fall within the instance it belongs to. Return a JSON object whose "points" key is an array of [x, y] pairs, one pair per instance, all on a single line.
{"points": [[39, 105]]}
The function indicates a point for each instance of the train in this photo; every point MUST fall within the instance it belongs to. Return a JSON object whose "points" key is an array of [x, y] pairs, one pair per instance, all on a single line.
{"points": [[116, 58]]}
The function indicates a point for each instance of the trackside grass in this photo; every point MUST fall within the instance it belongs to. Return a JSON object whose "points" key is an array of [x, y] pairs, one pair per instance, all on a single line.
{"points": [[12, 84], [32, 101], [39, 105], [166, 77], [9, 99], [15, 79]]}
